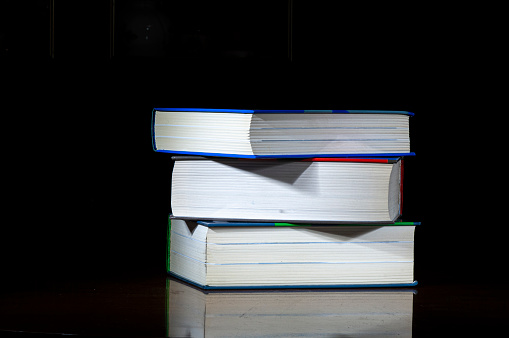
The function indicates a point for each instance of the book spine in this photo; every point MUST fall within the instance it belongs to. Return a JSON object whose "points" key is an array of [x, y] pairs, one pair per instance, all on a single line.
{"points": [[152, 130], [401, 187]]}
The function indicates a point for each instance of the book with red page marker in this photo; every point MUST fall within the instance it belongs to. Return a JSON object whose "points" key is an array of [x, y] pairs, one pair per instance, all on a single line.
{"points": [[318, 190]]}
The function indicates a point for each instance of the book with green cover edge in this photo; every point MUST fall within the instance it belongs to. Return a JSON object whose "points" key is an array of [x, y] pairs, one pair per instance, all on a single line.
{"points": [[283, 286]]}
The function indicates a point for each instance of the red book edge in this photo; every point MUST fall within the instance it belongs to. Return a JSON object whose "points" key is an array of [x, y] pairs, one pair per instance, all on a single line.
{"points": [[335, 159]]}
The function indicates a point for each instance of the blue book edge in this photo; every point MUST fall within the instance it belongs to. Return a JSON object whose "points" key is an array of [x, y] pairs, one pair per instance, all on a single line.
{"points": [[152, 130], [283, 111], [303, 286], [383, 155]]}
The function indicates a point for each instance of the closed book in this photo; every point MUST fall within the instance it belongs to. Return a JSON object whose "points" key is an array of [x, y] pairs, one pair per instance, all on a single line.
{"points": [[328, 190], [281, 133], [214, 256]]}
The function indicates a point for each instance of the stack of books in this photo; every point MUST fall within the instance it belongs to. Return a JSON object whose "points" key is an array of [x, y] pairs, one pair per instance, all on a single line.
{"points": [[287, 198]]}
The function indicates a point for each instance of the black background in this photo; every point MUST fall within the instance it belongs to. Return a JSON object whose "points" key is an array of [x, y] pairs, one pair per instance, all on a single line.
{"points": [[85, 195]]}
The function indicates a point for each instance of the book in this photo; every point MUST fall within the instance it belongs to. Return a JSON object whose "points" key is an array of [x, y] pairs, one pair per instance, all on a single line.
{"points": [[306, 256], [314, 190], [281, 133], [192, 312]]}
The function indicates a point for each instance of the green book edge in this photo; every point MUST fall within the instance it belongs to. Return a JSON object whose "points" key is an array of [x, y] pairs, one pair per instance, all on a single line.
{"points": [[393, 224]]}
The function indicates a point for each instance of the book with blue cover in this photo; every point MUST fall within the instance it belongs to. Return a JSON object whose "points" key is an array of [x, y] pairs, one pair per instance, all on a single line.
{"points": [[281, 133], [291, 256]]}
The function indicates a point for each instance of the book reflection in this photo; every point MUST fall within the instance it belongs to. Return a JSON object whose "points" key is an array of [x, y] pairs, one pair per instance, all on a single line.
{"points": [[192, 312]]}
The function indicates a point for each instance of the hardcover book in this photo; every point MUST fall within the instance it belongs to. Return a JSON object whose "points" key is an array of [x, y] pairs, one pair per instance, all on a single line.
{"points": [[332, 190], [281, 133], [213, 255]]}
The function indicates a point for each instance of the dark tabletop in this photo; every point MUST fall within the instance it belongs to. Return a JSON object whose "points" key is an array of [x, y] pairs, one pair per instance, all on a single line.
{"points": [[157, 306]]}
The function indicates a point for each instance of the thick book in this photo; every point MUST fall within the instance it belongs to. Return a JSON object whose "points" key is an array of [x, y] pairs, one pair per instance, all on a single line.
{"points": [[281, 133], [192, 312], [312, 256], [332, 190]]}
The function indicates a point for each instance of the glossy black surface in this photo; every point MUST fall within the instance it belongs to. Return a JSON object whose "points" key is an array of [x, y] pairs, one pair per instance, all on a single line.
{"points": [[138, 306], [91, 307]]}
